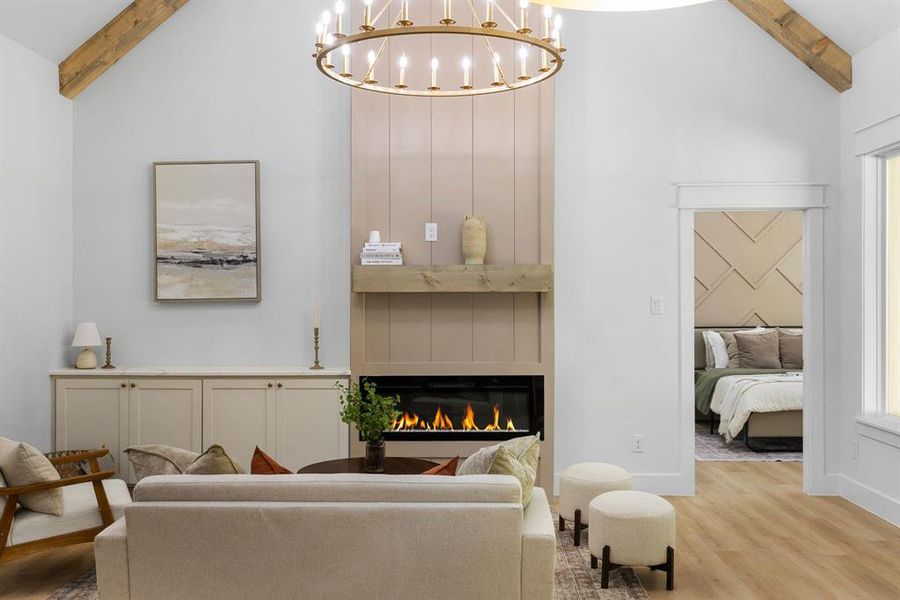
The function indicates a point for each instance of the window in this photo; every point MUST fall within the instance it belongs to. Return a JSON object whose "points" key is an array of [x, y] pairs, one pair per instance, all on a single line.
{"points": [[892, 286]]}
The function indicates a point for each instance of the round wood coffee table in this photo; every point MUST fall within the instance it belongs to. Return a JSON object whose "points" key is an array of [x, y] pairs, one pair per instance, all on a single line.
{"points": [[393, 465]]}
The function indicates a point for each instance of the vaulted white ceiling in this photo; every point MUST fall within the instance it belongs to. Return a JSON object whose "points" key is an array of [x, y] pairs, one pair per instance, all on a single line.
{"points": [[54, 28]]}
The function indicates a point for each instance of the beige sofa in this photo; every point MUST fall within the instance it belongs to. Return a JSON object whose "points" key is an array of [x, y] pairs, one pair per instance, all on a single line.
{"points": [[326, 537]]}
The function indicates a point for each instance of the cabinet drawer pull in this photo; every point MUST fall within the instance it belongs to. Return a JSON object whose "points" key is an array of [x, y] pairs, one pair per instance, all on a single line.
{"points": [[279, 385], [123, 385], [269, 384], [133, 385]]}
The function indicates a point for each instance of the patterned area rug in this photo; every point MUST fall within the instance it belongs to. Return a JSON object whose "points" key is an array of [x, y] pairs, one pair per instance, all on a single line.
{"points": [[712, 446], [575, 580]]}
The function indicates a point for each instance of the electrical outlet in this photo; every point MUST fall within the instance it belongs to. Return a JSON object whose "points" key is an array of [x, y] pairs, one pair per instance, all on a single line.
{"points": [[637, 442], [854, 450], [657, 307], [430, 232]]}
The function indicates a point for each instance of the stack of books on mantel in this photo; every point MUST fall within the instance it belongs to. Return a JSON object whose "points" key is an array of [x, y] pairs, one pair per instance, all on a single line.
{"points": [[381, 253]]}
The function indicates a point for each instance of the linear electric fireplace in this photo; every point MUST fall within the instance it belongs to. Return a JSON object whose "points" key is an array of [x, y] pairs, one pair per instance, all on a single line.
{"points": [[464, 407]]}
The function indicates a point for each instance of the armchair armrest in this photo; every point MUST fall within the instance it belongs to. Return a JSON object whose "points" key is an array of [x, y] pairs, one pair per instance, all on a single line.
{"points": [[43, 486], [78, 456]]}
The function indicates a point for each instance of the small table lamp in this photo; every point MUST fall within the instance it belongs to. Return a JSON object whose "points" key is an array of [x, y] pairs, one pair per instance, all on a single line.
{"points": [[86, 335]]}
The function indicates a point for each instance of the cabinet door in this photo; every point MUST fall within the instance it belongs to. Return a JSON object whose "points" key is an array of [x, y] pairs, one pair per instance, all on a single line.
{"points": [[165, 411], [309, 427], [239, 414], [91, 413]]}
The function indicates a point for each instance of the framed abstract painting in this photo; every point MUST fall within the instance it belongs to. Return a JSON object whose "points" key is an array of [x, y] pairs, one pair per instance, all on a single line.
{"points": [[206, 243]]}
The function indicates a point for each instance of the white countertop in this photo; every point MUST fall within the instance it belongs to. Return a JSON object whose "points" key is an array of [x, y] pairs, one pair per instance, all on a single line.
{"points": [[201, 372]]}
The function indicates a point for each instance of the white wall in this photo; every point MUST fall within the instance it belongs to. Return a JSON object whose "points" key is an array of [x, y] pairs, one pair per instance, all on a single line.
{"points": [[220, 80], [35, 239], [873, 479], [697, 94]]}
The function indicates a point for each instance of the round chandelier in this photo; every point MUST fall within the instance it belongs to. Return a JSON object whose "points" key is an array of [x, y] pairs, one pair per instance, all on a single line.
{"points": [[359, 58]]}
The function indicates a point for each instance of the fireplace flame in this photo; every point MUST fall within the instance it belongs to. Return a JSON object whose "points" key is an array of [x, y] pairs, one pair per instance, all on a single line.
{"points": [[443, 422]]}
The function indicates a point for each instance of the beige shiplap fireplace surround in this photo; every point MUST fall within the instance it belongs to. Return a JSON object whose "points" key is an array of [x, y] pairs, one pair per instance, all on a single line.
{"points": [[416, 161]]}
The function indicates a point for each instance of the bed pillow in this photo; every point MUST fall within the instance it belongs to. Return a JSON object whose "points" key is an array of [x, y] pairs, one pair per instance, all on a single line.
{"points": [[731, 345], [758, 350], [791, 349], [716, 352]]}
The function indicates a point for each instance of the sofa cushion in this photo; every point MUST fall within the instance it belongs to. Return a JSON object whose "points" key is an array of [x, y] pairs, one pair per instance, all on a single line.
{"points": [[159, 459], [23, 464], [81, 512], [344, 487], [215, 461], [263, 464]]}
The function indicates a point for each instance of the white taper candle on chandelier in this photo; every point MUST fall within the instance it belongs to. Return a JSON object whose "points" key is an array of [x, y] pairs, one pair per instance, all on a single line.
{"points": [[404, 11], [523, 16], [320, 33], [466, 65], [523, 61], [367, 14], [447, 10], [434, 68], [548, 13], [489, 12], [557, 30], [370, 74], [496, 63], [329, 40], [403, 64], [326, 21], [339, 17], [345, 52]]}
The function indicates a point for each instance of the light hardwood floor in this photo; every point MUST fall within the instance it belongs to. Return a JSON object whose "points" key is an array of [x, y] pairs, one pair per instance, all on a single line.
{"points": [[748, 533]]}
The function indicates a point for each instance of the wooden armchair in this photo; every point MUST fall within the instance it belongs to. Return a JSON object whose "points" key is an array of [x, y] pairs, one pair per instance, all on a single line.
{"points": [[41, 522]]}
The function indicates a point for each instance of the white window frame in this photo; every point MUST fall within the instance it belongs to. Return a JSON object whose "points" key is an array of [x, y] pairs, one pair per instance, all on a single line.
{"points": [[872, 413]]}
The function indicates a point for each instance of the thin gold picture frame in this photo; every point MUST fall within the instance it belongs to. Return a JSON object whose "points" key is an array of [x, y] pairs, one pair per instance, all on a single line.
{"points": [[258, 297]]}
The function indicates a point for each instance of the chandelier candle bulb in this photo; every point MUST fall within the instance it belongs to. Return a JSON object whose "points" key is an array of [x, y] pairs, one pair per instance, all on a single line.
{"points": [[326, 21], [345, 52], [466, 65], [339, 19], [548, 14], [557, 32], [544, 66], [434, 68], [328, 41], [367, 16], [320, 35], [370, 74], [404, 21], [404, 62], [496, 64], [523, 64], [489, 15], [448, 16], [523, 17]]}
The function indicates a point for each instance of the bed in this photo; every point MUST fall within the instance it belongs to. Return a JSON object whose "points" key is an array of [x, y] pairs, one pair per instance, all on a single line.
{"points": [[761, 406]]}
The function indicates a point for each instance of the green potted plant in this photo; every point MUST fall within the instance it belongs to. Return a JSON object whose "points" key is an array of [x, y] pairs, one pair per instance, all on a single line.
{"points": [[371, 414]]}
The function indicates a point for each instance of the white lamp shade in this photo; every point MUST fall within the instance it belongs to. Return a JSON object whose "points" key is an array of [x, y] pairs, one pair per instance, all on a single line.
{"points": [[86, 334]]}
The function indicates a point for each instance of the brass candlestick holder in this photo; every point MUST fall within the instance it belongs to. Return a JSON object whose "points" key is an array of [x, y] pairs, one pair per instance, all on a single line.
{"points": [[108, 364], [316, 365]]}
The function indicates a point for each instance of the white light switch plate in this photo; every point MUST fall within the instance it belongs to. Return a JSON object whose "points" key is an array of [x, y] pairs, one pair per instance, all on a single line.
{"points": [[657, 307], [430, 232]]}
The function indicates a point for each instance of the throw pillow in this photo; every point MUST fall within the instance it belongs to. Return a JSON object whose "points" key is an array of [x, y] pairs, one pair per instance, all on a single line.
{"points": [[215, 461], [758, 350], [791, 348], [507, 464], [447, 468], [716, 352], [23, 464], [263, 464], [158, 459], [478, 463], [734, 362]]}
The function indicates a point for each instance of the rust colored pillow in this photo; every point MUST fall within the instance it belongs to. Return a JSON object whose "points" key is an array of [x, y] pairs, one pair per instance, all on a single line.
{"points": [[263, 464], [447, 468]]}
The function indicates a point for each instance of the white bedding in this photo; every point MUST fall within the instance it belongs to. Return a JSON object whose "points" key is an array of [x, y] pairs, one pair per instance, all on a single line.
{"points": [[737, 396]]}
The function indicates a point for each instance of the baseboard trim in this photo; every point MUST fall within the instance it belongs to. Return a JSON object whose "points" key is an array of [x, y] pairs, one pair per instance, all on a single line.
{"points": [[878, 503]]}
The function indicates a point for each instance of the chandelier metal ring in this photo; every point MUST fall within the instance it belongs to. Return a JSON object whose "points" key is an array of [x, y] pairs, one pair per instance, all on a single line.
{"points": [[554, 64]]}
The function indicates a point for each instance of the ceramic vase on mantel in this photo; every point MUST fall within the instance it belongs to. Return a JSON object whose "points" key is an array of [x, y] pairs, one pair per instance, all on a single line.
{"points": [[474, 240]]}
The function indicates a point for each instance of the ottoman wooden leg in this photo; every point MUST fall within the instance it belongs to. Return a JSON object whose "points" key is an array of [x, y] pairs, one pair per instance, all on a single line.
{"points": [[670, 568], [593, 561], [604, 569], [562, 524], [577, 527]]}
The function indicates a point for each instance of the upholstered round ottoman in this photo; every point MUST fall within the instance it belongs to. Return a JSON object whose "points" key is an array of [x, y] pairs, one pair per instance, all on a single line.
{"points": [[632, 528], [581, 483]]}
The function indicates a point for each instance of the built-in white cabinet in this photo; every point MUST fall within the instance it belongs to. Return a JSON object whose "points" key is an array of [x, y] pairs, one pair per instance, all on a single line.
{"points": [[295, 419]]}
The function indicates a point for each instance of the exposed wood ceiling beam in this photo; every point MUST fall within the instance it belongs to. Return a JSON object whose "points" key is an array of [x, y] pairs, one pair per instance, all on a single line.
{"points": [[111, 43], [802, 39]]}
